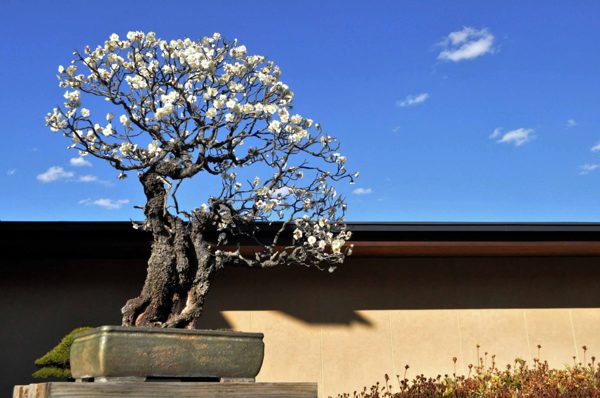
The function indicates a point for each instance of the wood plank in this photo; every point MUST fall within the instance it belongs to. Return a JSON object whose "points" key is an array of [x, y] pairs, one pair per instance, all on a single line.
{"points": [[171, 389], [38, 390], [20, 392]]}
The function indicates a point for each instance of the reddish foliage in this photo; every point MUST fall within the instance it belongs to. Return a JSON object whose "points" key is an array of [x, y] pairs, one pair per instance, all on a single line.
{"points": [[519, 380]]}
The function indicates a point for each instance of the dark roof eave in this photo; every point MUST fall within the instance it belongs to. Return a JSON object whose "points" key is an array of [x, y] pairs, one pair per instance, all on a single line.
{"points": [[373, 239]]}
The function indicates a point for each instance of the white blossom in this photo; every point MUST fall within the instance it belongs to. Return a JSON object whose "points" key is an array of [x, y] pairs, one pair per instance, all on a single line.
{"points": [[73, 98], [164, 111], [270, 108], [136, 82], [336, 245], [210, 92], [124, 120], [238, 52], [107, 131], [127, 148], [135, 36], [275, 126], [211, 113], [154, 149], [283, 115]]}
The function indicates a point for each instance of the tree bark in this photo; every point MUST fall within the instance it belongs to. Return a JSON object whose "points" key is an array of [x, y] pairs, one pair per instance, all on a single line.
{"points": [[204, 269], [179, 268]]}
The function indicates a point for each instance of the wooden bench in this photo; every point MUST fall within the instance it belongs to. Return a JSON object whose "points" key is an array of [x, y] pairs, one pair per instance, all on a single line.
{"points": [[165, 390]]}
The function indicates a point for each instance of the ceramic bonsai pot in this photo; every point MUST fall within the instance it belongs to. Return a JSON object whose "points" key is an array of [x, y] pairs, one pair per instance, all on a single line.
{"points": [[116, 352]]}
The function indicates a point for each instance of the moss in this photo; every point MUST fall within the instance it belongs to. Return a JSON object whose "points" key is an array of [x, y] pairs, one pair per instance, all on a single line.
{"points": [[52, 372], [55, 363]]}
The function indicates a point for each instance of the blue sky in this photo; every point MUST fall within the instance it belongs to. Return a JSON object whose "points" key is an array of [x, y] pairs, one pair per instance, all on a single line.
{"points": [[498, 125]]}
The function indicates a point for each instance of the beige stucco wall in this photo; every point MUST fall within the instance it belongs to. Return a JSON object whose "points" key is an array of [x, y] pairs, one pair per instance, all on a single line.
{"points": [[345, 358], [343, 330]]}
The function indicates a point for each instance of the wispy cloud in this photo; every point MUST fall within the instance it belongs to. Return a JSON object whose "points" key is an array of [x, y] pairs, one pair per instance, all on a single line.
{"points": [[79, 162], [571, 123], [516, 137], [11, 172], [595, 148], [496, 133], [54, 173], [413, 100], [468, 43], [105, 203], [396, 129], [588, 168], [87, 178], [362, 191]]}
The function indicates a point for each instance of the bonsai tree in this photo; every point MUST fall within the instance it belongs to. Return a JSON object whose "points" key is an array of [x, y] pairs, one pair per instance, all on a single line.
{"points": [[189, 108]]}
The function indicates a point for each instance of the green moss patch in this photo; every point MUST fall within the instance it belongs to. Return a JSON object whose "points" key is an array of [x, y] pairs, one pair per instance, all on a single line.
{"points": [[55, 363]]}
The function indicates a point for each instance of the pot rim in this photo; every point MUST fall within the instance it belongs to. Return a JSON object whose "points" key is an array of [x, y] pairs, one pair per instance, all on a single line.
{"points": [[168, 331]]}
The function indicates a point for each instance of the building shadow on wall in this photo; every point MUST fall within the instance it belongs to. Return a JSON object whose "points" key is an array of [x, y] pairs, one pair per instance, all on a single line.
{"points": [[315, 297]]}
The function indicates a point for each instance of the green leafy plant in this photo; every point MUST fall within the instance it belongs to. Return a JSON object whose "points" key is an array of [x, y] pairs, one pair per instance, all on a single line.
{"points": [[55, 363], [485, 379]]}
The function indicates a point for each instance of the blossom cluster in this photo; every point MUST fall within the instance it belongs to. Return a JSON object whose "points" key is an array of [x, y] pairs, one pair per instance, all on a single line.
{"points": [[189, 106]]}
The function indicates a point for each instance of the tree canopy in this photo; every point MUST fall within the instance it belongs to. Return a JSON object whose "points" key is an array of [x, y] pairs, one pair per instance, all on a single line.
{"points": [[186, 107]]}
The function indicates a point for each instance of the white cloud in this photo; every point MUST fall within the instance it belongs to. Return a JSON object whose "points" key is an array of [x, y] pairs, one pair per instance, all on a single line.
{"points": [[105, 203], [516, 137], [396, 129], [413, 100], [88, 178], [11, 172], [79, 162], [596, 148], [362, 191], [468, 43], [496, 133], [588, 168], [54, 173], [571, 123]]}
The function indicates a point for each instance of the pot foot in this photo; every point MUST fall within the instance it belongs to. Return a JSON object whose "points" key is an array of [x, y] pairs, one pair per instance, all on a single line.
{"points": [[237, 380], [126, 379]]}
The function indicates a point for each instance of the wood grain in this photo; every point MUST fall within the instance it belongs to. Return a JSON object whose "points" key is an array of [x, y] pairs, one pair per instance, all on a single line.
{"points": [[20, 392], [166, 390]]}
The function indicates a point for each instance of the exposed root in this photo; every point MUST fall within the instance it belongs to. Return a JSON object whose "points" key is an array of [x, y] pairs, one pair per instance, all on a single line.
{"points": [[184, 320], [132, 310]]}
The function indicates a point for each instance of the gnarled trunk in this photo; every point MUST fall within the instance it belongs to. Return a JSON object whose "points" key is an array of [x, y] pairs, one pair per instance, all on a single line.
{"points": [[179, 269]]}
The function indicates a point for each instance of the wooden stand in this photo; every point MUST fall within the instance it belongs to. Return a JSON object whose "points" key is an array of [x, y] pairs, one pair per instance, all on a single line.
{"points": [[171, 389]]}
